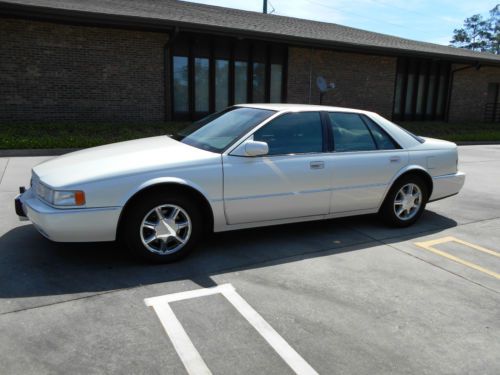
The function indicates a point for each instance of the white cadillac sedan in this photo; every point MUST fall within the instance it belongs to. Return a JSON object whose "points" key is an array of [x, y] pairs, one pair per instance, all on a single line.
{"points": [[247, 166]]}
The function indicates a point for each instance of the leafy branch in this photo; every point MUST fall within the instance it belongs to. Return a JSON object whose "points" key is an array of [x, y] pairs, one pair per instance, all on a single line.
{"points": [[479, 34]]}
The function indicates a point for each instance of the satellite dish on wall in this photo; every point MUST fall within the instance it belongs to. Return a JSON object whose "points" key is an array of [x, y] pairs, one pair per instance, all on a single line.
{"points": [[323, 87], [322, 84]]}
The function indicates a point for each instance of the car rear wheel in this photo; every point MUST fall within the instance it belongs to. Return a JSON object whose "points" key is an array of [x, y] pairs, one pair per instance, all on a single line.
{"points": [[405, 202], [162, 228]]}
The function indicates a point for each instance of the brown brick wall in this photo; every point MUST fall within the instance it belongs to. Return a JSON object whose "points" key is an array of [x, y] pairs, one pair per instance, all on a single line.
{"points": [[470, 92], [53, 72], [362, 81]]}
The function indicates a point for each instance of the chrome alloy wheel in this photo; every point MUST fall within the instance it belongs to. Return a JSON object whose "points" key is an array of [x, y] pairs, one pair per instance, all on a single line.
{"points": [[407, 201], [165, 229]]}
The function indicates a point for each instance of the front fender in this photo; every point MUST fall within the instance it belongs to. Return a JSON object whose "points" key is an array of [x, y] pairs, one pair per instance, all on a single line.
{"points": [[215, 205], [162, 180]]}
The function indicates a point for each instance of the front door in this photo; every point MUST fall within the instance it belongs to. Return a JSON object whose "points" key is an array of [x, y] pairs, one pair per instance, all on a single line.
{"points": [[291, 181]]}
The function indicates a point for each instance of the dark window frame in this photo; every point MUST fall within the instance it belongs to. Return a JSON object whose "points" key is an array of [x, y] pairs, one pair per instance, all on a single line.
{"points": [[187, 48], [435, 83]]}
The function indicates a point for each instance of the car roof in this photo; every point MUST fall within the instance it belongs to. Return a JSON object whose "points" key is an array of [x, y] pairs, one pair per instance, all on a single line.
{"points": [[282, 107]]}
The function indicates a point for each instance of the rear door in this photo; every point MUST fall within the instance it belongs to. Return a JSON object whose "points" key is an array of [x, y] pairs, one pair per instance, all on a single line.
{"points": [[363, 162]]}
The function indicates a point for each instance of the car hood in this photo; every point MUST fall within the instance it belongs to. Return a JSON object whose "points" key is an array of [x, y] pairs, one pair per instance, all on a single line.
{"points": [[119, 159]]}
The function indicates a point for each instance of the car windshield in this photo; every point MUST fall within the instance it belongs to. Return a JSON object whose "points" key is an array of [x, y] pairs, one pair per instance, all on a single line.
{"points": [[220, 130]]}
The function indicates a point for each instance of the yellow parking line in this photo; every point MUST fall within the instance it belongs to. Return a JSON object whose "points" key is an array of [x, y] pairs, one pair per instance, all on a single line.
{"points": [[477, 247], [429, 245]]}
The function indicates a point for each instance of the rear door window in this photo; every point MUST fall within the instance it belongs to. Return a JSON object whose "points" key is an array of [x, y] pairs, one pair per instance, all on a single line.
{"points": [[382, 139], [350, 133]]}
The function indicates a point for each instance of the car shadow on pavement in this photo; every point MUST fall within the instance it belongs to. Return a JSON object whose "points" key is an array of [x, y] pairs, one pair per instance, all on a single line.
{"points": [[32, 266]]}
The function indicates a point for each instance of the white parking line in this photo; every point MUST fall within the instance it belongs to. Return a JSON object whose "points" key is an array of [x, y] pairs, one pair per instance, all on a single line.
{"points": [[182, 343], [190, 357]]}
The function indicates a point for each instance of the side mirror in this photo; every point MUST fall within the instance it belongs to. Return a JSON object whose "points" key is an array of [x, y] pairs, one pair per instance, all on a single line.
{"points": [[251, 148], [255, 148]]}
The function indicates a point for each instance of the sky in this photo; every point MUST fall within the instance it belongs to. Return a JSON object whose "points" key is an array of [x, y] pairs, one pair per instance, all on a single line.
{"points": [[426, 20]]}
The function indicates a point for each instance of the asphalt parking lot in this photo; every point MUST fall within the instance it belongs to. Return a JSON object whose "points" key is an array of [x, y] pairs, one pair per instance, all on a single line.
{"points": [[345, 296]]}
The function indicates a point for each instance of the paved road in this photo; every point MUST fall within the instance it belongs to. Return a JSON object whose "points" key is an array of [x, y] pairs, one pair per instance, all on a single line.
{"points": [[346, 296]]}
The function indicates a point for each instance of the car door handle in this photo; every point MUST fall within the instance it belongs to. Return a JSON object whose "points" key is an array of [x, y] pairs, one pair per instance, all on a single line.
{"points": [[317, 165], [394, 159]]}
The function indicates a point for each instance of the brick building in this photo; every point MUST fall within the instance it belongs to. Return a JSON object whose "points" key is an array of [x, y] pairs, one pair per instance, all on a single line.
{"points": [[155, 60]]}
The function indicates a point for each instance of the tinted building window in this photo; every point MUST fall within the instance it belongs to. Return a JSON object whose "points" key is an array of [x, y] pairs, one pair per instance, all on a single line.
{"points": [[421, 89], [276, 83], [180, 83], [293, 133], [240, 81], [259, 82], [210, 73], [201, 85], [221, 84]]}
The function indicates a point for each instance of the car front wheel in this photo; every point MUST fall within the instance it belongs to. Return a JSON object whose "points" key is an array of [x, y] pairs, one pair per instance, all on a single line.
{"points": [[162, 229], [405, 202]]}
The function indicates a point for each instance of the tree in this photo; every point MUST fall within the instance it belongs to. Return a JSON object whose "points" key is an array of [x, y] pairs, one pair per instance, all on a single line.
{"points": [[479, 34], [494, 41]]}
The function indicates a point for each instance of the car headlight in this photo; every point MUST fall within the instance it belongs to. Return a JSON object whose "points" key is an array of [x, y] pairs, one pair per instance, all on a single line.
{"points": [[44, 192], [69, 198], [60, 197]]}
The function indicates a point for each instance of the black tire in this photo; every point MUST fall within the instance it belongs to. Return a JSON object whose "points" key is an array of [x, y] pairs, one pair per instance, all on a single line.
{"points": [[132, 231], [388, 212]]}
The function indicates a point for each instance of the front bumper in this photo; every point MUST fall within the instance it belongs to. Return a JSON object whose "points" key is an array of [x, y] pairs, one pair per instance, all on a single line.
{"points": [[447, 185], [18, 205], [68, 225]]}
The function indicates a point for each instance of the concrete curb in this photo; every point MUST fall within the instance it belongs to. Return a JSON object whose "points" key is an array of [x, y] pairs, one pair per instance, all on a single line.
{"points": [[477, 143], [37, 152]]}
